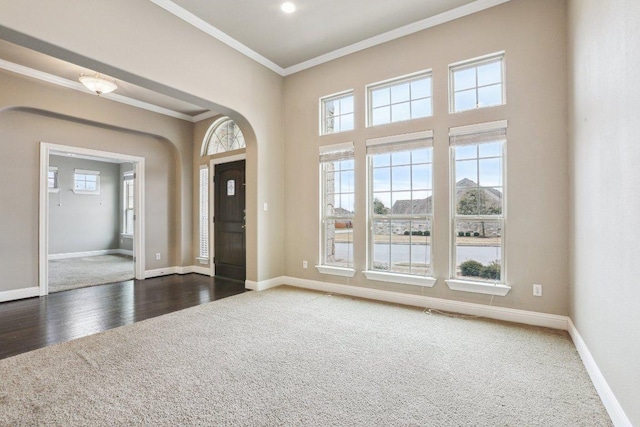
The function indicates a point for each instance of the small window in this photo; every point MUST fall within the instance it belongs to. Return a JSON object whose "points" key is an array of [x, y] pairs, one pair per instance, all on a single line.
{"points": [[401, 203], [53, 184], [401, 99], [86, 182], [203, 251], [223, 135], [336, 113], [338, 190], [477, 155], [128, 203], [477, 83]]}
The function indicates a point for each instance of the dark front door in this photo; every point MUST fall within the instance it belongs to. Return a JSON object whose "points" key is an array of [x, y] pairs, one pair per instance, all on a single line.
{"points": [[229, 219]]}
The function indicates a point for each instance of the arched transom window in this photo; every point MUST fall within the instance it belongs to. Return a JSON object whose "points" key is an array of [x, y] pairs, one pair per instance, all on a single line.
{"points": [[223, 135]]}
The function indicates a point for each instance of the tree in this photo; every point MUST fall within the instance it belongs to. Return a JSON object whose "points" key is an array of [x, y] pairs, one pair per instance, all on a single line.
{"points": [[379, 208], [475, 202]]}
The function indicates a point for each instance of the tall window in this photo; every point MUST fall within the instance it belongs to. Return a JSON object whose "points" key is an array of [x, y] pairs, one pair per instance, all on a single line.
{"points": [[337, 180], [86, 182], [401, 203], [336, 113], [203, 251], [477, 154], [400, 99], [223, 135], [477, 83], [128, 203]]}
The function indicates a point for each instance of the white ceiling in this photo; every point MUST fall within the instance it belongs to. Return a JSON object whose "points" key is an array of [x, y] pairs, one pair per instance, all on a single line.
{"points": [[317, 27], [319, 31]]}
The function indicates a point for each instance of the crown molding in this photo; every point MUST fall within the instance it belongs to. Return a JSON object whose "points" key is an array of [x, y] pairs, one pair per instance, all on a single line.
{"points": [[70, 84], [459, 12], [214, 32]]}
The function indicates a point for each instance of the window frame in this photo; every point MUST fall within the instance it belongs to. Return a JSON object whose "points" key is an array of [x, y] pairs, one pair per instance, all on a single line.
{"points": [[204, 247], [468, 283], [323, 266], [128, 195], [335, 97], [217, 124], [475, 63], [56, 180], [396, 81], [85, 173], [371, 273]]}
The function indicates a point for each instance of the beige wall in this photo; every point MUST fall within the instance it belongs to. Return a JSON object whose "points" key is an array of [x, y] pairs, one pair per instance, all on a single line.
{"points": [[605, 154], [533, 35], [156, 50], [31, 112]]}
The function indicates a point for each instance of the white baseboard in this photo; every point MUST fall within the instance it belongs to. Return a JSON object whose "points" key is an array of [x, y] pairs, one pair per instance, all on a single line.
{"points": [[499, 313], [124, 252], [195, 269], [264, 284], [166, 271], [85, 254], [177, 270], [611, 404], [19, 294]]}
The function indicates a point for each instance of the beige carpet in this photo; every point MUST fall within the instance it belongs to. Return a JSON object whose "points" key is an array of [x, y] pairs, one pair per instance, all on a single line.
{"points": [[72, 273], [288, 357]]}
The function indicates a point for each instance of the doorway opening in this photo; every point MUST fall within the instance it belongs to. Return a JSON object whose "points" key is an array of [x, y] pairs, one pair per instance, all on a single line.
{"points": [[91, 218]]}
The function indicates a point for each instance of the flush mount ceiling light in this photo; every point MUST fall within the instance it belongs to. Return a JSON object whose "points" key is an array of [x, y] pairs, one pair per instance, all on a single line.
{"points": [[98, 83], [288, 7]]}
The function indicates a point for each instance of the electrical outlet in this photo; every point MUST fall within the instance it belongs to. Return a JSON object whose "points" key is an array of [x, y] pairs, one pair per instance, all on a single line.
{"points": [[537, 290], [304, 264], [158, 256]]}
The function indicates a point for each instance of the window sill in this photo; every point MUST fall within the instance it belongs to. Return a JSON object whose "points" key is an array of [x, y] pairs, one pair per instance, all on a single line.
{"points": [[126, 236], [54, 190], [478, 287], [86, 192], [204, 261], [336, 271], [406, 279]]}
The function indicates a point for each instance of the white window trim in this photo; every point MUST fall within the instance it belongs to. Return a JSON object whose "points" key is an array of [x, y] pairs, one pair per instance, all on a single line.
{"points": [[498, 289], [336, 271], [393, 277], [322, 122], [391, 82], [406, 279], [474, 62], [86, 172], [480, 287]]}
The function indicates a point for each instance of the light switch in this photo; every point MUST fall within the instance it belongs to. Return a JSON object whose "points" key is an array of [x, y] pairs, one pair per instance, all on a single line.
{"points": [[266, 207]]}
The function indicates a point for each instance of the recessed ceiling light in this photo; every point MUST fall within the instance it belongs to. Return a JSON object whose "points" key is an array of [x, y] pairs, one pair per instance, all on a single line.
{"points": [[288, 7]]}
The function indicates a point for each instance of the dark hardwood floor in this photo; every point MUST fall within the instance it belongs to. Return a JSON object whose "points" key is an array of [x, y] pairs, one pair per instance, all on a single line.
{"points": [[33, 323]]}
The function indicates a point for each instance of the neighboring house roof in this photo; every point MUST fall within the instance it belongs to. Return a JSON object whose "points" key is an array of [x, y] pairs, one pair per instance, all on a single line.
{"points": [[408, 207], [466, 183], [341, 211]]}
